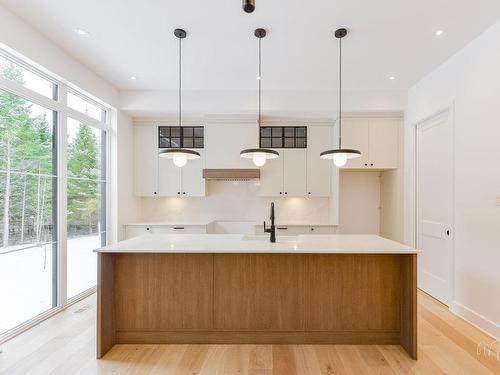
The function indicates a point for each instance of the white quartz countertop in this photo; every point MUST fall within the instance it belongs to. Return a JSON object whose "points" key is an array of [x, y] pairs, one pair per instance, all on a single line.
{"points": [[238, 243]]}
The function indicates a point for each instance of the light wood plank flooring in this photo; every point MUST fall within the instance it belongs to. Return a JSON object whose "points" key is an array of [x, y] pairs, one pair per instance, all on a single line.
{"points": [[65, 344]]}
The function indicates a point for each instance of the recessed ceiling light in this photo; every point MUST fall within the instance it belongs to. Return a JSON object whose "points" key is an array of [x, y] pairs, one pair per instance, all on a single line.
{"points": [[392, 78], [439, 32], [82, 33], [133, 78]]}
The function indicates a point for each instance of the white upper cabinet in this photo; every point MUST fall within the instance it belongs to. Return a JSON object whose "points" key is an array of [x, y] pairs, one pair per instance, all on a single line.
{"points": [[169, 178], [384, 142], [271, 177], [294, 172], [224, 142], [155, 176], [146, 160], [356, 135], [285, 176], [319, 171], [376, 138], [193, 183], [187, 181]]}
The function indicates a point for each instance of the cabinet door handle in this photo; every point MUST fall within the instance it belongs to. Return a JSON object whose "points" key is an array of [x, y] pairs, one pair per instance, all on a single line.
{"points": [[371, 164], [179, 228], [154, 192], [312, 229], [147, 228], [282, 228], [309, 193], [281, 192], [183, 192], [178, 192], [286, 192], [366, 164]]}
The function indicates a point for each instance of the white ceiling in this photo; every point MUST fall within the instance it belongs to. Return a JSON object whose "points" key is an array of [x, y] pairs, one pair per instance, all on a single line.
{"points": [[134, 37]]}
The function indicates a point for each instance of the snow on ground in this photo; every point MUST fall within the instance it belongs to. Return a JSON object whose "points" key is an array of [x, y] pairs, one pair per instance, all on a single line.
{"points": [[26, 279]]}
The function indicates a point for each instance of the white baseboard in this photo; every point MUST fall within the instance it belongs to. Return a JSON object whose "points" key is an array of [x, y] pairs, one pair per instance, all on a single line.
{"points": [[477, 320]]}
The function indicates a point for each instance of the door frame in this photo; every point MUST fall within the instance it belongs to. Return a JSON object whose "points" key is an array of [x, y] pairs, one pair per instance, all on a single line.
{"points": [[449, 110]]}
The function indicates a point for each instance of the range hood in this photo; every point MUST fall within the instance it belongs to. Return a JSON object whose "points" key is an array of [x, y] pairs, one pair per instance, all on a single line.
{"points": [[231, 174]]}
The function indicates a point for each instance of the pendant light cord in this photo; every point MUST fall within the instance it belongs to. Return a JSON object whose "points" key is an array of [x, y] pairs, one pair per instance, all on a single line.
{"points": [[180, 81], [340, 94], [180, 96], [260, 78]]}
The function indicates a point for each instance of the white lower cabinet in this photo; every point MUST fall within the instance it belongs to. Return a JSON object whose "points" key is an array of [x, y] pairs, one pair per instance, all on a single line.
{"points": [[323, 229], [139, 230], [285, 176]]}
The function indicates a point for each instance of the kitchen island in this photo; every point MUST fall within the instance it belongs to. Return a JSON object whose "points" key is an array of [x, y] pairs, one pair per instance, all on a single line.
{"points": [[209, 288]]}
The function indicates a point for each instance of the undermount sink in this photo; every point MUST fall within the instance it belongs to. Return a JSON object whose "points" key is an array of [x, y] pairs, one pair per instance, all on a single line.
{"points": [[264, 237]]}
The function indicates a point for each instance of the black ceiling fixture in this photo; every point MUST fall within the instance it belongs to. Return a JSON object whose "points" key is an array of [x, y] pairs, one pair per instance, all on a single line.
{"points": [[180, 155], [259, 156], [248, 6], [340, 155]]}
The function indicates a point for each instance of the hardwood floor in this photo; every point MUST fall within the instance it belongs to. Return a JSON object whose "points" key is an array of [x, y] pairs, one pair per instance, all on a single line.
{"points": [[65, 344]]}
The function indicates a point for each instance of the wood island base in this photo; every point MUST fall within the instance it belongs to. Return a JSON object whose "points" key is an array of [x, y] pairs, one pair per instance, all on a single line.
{"points": [[242, 298]]}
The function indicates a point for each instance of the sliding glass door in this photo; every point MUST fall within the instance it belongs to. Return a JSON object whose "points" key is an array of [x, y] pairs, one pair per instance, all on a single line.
{"points": [[28, 198], [86, 217], [53, 172]]}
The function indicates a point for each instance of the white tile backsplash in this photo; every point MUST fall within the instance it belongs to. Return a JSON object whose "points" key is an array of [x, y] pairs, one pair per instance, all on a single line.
{"points": [[235, 200]]}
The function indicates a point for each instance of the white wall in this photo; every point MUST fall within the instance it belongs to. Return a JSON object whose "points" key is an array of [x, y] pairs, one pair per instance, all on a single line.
{"points": [[125, 206], [238, 200], [470, 83], [359, 202]]}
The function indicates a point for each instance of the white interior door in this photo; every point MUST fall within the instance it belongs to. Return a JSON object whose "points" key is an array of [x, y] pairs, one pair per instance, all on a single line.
{"points": [[434, 207]]}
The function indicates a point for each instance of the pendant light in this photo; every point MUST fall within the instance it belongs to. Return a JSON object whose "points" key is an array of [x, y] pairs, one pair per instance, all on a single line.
{"points": [[180, 155], [259, 156], [340, 155]]}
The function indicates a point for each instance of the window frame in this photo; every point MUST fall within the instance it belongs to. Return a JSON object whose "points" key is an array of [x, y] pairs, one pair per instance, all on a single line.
{"points": [[58, 104], [282, 136], [181, 137]]}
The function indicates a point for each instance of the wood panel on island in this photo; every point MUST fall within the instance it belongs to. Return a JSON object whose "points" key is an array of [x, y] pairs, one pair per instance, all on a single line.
{"points": [[268, 298]]}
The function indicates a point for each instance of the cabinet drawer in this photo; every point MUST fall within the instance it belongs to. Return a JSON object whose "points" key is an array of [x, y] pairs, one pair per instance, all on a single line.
{"points": [[285, 230], [330, 229], [137, 230], [180, 229]]}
